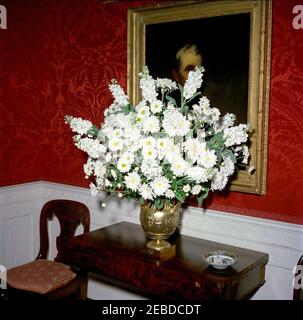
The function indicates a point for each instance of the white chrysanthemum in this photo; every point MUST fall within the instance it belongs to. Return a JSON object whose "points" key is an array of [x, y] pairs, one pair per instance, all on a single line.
{"points": [[132, 134], [228, 167], [166, 84], [162, 146], [160, 186], [193, 148], [207, 159], [123, 165], [183, 126], [196, 189], [193, 83], [172, 152], [149, 153], [115, 144], [156, 106], [139, 121], [148, 142], [151, 169], [170, 194], [219, 182], [175, 124], [129, 157], [151, 124], [146, 192], [132, 181], [179, 166], [117, 133], [197, 174], [235, 135], [143, 111], [79, 125]]}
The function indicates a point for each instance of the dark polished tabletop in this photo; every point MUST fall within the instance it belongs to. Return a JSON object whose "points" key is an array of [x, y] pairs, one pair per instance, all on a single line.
{"points": [[118, 254]]}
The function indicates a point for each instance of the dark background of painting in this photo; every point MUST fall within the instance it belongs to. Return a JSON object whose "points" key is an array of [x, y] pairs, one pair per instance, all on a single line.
{"points": [[224, 44]]}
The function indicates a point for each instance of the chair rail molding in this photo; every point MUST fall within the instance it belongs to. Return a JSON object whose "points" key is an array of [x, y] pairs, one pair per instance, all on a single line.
{"points": [[20, 207]]}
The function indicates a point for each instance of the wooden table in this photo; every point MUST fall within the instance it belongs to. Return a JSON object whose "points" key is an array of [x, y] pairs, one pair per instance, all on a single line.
{"points": [[118, 254]]}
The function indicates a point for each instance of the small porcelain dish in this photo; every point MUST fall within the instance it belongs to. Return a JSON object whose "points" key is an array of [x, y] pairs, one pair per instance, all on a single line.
{"points": [[220, 259]]}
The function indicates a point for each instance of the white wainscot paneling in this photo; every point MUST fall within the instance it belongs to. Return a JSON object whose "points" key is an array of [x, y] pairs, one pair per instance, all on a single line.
{"points": [[19, 247], [19, 223], [20, 208]]}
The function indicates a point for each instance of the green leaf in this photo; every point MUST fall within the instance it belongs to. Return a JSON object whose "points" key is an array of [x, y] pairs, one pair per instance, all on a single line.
{"points": [[200, 200], [184, 110], [171, 100], [180, 196], [159, 203], [205, 194], [93, 131]]}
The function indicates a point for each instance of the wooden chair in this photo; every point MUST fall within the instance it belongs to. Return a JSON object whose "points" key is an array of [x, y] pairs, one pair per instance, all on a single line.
{"points": [[44, 279], [298, 293]]}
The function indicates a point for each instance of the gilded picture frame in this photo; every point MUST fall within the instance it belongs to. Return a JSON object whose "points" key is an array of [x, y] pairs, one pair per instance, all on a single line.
{"points": [[241, 30]]}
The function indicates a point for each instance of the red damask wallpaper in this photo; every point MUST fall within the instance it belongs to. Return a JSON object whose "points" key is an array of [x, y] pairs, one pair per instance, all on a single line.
{"points": [[57, 58]]}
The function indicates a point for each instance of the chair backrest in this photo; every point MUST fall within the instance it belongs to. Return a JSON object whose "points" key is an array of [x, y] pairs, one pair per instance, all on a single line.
{"points": [[298, 292], [70, 215]]}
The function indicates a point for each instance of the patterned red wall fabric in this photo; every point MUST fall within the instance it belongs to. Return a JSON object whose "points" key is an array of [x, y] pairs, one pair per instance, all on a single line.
{"points": [[57, 58]]}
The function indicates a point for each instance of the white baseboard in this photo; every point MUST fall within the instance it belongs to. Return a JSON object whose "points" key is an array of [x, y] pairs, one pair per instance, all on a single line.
{"points": [[20, 206]]}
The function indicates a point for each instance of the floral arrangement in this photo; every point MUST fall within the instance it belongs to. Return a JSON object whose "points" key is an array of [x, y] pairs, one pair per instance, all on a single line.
{"points": [[161, 151]]}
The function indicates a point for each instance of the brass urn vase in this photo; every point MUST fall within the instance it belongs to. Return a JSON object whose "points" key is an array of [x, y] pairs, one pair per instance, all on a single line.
{"points": [[159, 224]]}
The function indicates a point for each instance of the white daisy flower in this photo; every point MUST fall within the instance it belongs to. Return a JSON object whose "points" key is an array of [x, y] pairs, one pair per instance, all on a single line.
{"points": [[156, 106], [151, 124], [170, 194], [123, 165], [207, 158], [148, 142], [160, 186], [132, 181], [143, 111], [149, 153], [115, 144], [146, 192]]}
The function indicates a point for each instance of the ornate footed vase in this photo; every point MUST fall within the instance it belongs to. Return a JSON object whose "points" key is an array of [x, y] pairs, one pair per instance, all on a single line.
{"points": [[159, 225]]}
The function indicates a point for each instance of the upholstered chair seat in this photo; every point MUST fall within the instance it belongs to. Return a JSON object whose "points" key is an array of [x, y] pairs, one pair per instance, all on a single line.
{"points": [[40, 276]]}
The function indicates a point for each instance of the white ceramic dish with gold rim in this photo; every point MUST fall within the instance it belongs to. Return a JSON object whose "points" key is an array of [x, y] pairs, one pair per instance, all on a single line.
{"points": [[220, 259]]}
